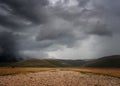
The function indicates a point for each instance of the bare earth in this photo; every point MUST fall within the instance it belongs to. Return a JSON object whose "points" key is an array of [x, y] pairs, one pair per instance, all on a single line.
{"points": [[58, 78]]}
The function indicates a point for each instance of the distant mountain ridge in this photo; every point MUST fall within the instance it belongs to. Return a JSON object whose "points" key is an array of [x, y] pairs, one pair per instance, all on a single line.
{"points": [[104, 62]]}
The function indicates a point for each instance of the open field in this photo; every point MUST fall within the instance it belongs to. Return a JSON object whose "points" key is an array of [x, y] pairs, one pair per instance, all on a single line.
{"points": [[111, 71], [58, 78], [11, 71], [105, 71]]}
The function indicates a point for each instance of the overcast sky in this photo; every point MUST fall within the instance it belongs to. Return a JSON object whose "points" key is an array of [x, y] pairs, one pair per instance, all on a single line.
{"points": [[65, 29]]}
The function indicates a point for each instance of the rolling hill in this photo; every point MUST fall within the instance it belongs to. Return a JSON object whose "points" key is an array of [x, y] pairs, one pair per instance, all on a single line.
{"points": [[45, 63], [104, 62]]}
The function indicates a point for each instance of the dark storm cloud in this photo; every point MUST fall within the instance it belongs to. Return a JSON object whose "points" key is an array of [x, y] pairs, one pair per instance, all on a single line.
{"points": [[14, 16], [18, 14], [27, 8], [11, 22], [36, 27], [6, 18], [34, 45], [7, 47]]}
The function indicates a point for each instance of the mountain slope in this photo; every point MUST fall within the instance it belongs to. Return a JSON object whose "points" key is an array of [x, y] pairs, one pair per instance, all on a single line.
{"points": [[75, 63], [33, 63], [41, 63], [105, 62]]}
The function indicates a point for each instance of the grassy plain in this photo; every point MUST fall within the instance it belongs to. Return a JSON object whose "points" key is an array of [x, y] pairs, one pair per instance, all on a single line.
{"points": [[105, 71]]}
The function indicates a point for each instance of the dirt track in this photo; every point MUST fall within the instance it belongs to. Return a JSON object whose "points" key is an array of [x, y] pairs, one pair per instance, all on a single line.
{"points": [[58, 78]]}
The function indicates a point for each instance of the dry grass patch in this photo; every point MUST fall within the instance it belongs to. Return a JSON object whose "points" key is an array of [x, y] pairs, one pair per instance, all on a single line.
{"points": [[105, 71], [111, 71], [11, 71]]}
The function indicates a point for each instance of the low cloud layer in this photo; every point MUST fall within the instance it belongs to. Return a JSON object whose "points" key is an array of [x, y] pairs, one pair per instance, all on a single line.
{"points": [[65, 29]]}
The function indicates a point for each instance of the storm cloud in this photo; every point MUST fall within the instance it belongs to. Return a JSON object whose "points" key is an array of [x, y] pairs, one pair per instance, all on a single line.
{"points": [[7, 47], [26, 8], [65, 29]]}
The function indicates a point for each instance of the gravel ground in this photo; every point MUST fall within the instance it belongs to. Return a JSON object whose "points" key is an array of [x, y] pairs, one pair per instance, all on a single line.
{"points": [[58, 78]]}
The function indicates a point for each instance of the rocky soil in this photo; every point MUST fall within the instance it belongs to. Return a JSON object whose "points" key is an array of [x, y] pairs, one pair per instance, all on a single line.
{"points": [[58, 78]]}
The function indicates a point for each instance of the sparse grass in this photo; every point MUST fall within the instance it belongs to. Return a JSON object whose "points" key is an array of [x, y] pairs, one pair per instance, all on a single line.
{"points": [[111, 71], [11, 71], [105, 71]]}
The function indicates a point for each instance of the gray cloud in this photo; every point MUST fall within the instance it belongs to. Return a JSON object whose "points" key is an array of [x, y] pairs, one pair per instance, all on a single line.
{"points": [[83, 3], [58, 31], [22, 13], [27, 8], [43, 28], [100, 30], [8, 47]]}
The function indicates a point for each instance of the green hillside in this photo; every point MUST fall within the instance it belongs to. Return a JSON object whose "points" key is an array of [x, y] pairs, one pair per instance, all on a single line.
{"points": [[40, 63], [75, 63], [105, 62], [33, 63]]}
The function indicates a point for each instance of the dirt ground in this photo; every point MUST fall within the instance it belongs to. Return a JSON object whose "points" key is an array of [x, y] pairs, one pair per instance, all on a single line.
{"points": [[58, 78]]}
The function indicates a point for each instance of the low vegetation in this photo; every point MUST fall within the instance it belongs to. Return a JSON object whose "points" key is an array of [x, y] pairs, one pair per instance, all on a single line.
{"points": [[109, 65], [105, 71], [11, 71], [111, 71], [104, 62]]}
